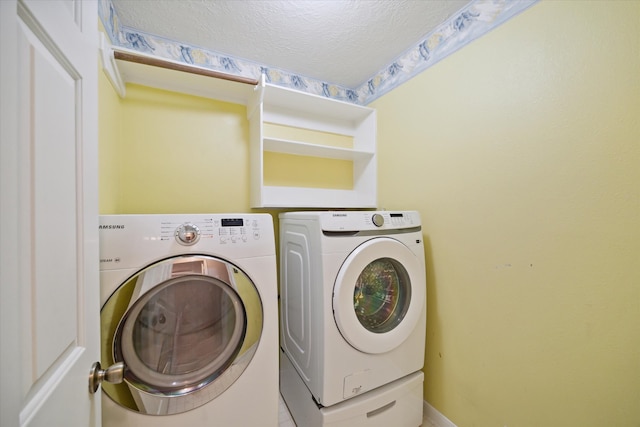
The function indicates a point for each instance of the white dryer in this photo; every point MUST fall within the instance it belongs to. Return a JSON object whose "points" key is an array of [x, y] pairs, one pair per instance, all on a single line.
{"points": [[353, 301], [189, 309]]}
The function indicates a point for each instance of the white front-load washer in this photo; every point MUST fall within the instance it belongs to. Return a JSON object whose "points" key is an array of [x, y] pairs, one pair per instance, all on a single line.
{"points": [[189, 308], [352, 302]]}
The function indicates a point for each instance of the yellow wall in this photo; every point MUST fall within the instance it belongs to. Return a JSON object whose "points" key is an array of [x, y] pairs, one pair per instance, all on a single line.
{"points": [[172, 153], [522, 153], [109, 152]]}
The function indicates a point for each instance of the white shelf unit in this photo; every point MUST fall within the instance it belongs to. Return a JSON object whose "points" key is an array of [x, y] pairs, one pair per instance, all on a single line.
{"points": [[271, 104]]}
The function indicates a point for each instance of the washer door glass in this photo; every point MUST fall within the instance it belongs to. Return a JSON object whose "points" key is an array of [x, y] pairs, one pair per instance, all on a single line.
{"points": [[187, 328], [382, 294], [379, 295]]}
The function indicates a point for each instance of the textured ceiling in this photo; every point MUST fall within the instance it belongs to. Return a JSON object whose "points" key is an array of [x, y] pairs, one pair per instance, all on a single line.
{"points": [[339, 41]]}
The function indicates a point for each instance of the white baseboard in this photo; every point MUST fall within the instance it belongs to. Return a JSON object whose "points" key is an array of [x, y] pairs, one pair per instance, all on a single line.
{"points": [[435, 417]]}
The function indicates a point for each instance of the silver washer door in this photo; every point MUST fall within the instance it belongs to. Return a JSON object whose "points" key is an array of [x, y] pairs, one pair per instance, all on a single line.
{"points": [[186, 328]]}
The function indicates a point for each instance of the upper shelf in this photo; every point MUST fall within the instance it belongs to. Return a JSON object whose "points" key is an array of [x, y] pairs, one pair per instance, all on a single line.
{"points": [[147, 70], [284, 98]]}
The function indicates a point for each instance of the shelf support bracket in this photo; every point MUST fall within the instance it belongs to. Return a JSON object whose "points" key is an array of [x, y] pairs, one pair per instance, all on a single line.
{"points": [[256, 100], [109, 66]]}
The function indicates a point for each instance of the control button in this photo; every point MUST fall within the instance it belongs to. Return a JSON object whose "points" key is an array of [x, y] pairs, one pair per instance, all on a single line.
{"points": [[378, 220], [187, 234]]}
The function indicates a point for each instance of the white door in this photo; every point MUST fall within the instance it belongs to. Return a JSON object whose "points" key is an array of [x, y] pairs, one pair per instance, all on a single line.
{"points": [[49, 216]]}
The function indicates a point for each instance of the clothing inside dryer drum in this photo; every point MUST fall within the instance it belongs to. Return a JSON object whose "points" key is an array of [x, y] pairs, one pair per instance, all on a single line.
{"points": [[382, 294]]}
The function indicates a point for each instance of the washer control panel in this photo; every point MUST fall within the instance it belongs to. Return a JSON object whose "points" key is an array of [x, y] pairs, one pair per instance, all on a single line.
{"points": [[378, 220], [364, 220]]}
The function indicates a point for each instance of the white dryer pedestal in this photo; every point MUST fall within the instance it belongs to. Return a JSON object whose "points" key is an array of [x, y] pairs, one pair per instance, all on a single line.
{"points": [[398, 403]]}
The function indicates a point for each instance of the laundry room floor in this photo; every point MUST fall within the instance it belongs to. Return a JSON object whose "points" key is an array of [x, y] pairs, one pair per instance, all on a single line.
{"points": [[285, 419]]}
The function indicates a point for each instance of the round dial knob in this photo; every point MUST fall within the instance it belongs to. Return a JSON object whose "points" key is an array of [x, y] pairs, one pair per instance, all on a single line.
{"points": [[187, 234], [378, 220]]}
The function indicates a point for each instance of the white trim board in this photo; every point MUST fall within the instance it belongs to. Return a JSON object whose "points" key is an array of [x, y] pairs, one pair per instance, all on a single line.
{"points": [[435, 417]]}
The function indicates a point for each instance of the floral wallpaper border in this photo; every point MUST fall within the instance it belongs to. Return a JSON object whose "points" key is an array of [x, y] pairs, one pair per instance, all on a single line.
{"points": [[478, 18]]}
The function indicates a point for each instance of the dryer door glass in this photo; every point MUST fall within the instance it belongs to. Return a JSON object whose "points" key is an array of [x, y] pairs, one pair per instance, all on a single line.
{"points": [[382, 294], [181, 335], [186, 328]]}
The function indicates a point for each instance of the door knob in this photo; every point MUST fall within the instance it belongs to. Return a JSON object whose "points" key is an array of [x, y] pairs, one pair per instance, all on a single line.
{"points": [[113, 374]]}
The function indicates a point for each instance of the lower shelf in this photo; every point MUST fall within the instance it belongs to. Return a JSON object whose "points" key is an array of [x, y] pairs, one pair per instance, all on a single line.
{"points": [[299, 197]]}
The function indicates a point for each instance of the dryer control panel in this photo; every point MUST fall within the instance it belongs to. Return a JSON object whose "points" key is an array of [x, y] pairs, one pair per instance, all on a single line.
{"points": [[222, 230], [128, 240]]}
